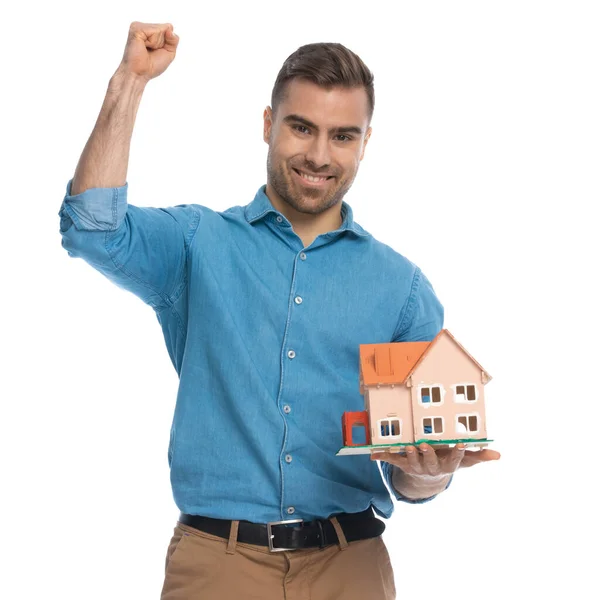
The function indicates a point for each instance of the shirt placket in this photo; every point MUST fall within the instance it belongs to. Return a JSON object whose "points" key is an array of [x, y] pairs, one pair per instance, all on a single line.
{"points": [[289, 360]]}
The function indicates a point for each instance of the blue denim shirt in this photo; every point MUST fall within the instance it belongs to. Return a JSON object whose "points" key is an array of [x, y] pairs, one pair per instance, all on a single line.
{"points": [[264, 334]]}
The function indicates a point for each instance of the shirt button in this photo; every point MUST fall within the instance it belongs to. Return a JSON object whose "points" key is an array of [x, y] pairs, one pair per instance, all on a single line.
{"points": [[291, 354], [302, 256], [279, 219], [287, 409], [291, 510], [298, 300], [288, 458]]}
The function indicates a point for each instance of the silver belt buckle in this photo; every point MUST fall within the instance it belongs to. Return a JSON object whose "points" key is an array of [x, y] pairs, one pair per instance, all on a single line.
{"points": [[270, 533]]}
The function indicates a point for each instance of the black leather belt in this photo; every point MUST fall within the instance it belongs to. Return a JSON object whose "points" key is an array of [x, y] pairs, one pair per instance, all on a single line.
{"points": [[293, 534]]}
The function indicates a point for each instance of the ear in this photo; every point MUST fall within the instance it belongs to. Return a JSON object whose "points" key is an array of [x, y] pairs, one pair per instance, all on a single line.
{"points": [[367, 136], [267, 124]]}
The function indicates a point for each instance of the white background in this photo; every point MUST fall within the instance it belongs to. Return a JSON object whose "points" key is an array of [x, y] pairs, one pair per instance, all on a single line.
{"points": [[482, 169]]}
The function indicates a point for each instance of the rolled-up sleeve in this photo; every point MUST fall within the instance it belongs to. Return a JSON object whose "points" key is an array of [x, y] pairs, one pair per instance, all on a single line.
{"points": [[421, 321], [141, 249]]}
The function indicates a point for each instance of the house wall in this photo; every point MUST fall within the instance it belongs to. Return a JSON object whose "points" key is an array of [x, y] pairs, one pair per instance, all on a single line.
{"points": [[446, 365], [389, 402]]}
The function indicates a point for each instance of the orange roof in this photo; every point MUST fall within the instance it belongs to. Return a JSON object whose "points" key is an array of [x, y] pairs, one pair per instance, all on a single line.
{"points": [[389, 363], [393, 363]]}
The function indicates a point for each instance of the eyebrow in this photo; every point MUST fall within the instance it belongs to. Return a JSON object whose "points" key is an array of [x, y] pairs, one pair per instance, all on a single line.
{"points": [[307, 123]]}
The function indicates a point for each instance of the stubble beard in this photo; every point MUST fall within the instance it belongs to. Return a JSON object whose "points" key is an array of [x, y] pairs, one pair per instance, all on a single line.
{"points": [[302, 200]]}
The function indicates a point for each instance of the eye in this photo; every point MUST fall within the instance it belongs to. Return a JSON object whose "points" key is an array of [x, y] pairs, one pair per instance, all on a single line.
{"points": [[348, 138], [299, 127]]}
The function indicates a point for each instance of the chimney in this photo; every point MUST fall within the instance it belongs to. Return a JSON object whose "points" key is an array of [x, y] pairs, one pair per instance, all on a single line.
{"points": [[383, 361]]}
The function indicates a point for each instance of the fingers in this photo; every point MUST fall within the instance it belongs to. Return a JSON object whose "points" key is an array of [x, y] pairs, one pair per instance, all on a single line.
{"points": [[491, 454], [425, 460], [413, 460], [476, 457], [395, 459], [417, 461], [154, 35], [171, 39], [431, 463], [453, 461]]}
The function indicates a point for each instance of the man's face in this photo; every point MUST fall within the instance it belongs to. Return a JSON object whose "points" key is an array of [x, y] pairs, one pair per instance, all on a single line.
{"points": [[315, 132]]}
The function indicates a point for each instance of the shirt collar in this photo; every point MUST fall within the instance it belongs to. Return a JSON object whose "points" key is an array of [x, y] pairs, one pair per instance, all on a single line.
{"points": [[261, 206]]}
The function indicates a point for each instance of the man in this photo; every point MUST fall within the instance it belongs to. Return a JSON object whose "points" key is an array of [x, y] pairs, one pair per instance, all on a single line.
{"points": [[263, 308]]}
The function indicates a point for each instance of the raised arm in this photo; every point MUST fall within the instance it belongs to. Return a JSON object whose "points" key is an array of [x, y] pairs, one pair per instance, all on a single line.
{"points": [[143, 250], [150, 49]]}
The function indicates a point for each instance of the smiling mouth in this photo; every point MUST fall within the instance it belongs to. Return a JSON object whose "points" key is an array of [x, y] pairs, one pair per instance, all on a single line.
{"points": [[313, 178]]}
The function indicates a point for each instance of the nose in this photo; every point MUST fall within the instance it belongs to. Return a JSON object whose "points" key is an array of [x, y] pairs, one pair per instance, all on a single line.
{"points": [[318, 153]]}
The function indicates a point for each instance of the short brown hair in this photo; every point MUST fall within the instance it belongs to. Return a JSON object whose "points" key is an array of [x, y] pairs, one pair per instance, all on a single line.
{"points": [[327, 65]]}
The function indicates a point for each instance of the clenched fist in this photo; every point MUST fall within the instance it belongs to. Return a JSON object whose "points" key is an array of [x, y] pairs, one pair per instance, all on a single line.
{"points": [[150, 49]]}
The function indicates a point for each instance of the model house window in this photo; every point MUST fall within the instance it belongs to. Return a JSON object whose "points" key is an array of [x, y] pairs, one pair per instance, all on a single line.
{"points": [[431, 394], [465, 393], [389, 427], [467, 423], [433, 425]]}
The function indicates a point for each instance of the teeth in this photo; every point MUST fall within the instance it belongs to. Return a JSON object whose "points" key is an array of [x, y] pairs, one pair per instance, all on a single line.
{"points": [[311, 178]]}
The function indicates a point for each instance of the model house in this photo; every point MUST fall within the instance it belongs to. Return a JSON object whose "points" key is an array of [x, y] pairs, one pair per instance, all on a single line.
{"points": [[417, 392]]}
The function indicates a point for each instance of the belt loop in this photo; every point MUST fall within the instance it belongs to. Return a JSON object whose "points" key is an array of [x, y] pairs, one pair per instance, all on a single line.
{"points": [[233, 534], [340, 533]]}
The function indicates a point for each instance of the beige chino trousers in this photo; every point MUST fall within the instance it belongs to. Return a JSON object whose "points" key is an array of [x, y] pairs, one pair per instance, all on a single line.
{"points": [[201, 566]]}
